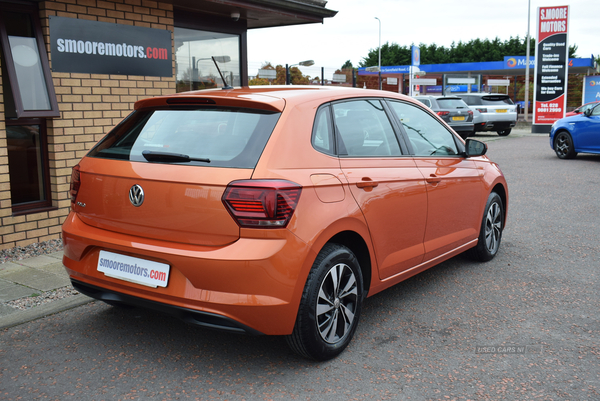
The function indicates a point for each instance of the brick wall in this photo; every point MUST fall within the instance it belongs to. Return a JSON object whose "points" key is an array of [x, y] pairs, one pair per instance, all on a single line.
{"points": [[90, 105]]}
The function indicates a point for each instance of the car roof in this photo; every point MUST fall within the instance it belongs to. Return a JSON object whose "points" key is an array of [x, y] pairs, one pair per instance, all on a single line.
{"points": [[271, 97]]}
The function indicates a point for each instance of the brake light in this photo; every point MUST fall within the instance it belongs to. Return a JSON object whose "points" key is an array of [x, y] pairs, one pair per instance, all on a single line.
{"points": [[262, 203], [443, 113], [470, 112], [75, 183], [482, 110]]}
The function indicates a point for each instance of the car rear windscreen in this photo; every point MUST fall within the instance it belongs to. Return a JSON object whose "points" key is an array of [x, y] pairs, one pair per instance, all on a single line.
{"points": [[452, 104], [213, 137]]}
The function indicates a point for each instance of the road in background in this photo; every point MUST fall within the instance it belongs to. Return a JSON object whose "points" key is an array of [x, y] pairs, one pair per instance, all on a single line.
{"points": [[523, 326]]}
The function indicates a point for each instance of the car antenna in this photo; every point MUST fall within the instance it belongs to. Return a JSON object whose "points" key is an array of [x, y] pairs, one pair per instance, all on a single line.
{"points": [[225, 84]]}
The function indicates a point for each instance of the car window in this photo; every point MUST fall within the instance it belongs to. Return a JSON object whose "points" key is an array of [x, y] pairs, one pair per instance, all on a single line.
{"points": [[596, 110], [214, 137], [322, 137], [451, 103], [427, 135], [492, 100], [426, 102], [364, 129]]}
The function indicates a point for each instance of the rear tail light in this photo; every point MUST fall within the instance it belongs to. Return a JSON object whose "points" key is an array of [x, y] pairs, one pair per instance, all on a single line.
{"points": [[470, 112], [75, 184], [482, 110], [443, 113], [262, 203]]}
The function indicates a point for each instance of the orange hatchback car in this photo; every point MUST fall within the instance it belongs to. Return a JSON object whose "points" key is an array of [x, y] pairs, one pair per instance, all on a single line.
{"points": [[276, 210]]}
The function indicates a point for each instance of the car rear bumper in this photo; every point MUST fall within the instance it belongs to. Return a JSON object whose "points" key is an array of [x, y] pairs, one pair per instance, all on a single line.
{"points": [[252, 285], [495, 125]]}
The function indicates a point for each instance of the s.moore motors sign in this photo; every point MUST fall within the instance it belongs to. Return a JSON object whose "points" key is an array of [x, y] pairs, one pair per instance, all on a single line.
{"points": [[104, 48]]}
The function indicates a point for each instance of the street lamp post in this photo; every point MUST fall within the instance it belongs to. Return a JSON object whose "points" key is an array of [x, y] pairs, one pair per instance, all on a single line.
{"points": [[526, 103], [379, 64], [306, 63]]}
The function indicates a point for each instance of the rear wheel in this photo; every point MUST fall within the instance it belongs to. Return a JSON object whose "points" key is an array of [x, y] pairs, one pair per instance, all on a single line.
{"points": [[490, 233], [505, 132], [563, 145], [330, 307]]}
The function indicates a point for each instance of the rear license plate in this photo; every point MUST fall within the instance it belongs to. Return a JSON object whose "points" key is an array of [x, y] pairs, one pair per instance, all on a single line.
{"points": [[501, 110], [458, 119], [135, 270]]}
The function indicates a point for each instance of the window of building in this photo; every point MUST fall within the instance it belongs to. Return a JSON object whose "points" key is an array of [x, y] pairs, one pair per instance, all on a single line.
{"points": [[198, 38], [197, 54], [28, 88], [28, 97], [28, 165]]}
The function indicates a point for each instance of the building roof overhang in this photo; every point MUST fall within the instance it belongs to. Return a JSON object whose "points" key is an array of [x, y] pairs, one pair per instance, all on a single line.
{"points": [[261, 13]]}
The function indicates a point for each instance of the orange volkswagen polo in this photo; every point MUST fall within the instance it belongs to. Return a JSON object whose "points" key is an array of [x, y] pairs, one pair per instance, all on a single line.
{"points": [[276, 210]]}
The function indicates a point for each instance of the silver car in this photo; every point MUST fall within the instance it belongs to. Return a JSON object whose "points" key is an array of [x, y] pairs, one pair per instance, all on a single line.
{"points": [[498, 112], [453, 111]]}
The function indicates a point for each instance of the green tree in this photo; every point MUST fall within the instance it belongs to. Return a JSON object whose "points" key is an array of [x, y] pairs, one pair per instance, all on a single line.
{"points": [[476, 50]]}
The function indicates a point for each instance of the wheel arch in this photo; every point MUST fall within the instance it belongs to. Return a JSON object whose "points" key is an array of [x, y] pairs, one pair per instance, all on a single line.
{"points": [[501, 191], [355, 242]]}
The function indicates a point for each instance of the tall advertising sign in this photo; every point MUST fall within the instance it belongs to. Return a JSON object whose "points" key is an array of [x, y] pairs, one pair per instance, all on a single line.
{"points": [[591, 89], [551, 67]]}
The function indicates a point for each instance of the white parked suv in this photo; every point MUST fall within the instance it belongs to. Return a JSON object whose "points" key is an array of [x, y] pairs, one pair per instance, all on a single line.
{"points": [[498, 112]]}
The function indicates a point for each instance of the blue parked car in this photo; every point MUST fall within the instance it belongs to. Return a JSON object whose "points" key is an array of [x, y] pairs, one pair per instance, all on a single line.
{"points": [[580, 133]]}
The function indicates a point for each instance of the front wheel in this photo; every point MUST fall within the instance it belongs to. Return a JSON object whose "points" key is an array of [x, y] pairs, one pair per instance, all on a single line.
{"points": [[563, 146], [505, 132], [490, 233], [330, 307]]}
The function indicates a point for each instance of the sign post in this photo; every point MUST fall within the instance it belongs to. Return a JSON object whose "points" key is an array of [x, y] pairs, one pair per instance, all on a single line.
{"points": [[551, 67]]}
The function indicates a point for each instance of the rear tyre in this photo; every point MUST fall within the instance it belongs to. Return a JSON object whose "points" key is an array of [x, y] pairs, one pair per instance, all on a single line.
{"points": [[505, 132], [330, 307], [563, 145], [490, 233]]}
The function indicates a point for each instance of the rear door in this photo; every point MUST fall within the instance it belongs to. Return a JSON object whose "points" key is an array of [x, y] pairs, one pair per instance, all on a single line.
{"points": [[387, 186]]}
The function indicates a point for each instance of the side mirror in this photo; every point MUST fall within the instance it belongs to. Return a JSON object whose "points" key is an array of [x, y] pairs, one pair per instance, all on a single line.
{"points": [[588, 111], [475, 148]]}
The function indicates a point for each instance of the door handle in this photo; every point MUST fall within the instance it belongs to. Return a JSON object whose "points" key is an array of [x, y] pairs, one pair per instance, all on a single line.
{"points": [[433, 179], [367, 183]]}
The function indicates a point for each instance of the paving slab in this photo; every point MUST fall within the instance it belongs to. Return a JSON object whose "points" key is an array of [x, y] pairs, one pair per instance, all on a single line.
{"points": [[9, 267], [37, 261], [38, 279], [56, 268], [10, 291]]}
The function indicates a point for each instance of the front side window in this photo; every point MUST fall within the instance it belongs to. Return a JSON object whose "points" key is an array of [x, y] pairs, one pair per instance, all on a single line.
{"points": [[194, 53], [427, 135], [211, 137], [364, 129]]}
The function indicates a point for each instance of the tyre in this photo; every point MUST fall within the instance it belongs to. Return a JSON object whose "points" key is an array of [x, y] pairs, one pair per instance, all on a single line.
{"points": [[490, 233], [330, 307], [563, 145], [505, 132]]}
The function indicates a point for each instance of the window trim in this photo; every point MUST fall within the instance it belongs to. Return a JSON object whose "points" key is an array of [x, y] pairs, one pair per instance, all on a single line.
{"points": [[42, 205], [10, 66]]}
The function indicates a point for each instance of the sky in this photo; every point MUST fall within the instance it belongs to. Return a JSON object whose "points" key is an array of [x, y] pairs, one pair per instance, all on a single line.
{"points": [[354, 31]]}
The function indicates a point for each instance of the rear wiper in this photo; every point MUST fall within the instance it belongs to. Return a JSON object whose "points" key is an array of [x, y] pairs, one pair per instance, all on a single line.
{"points": [[166, 157]]}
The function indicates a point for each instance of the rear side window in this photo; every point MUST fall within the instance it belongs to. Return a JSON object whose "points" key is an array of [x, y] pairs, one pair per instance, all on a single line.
{"points": [[364, 129], [213, 137]]}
